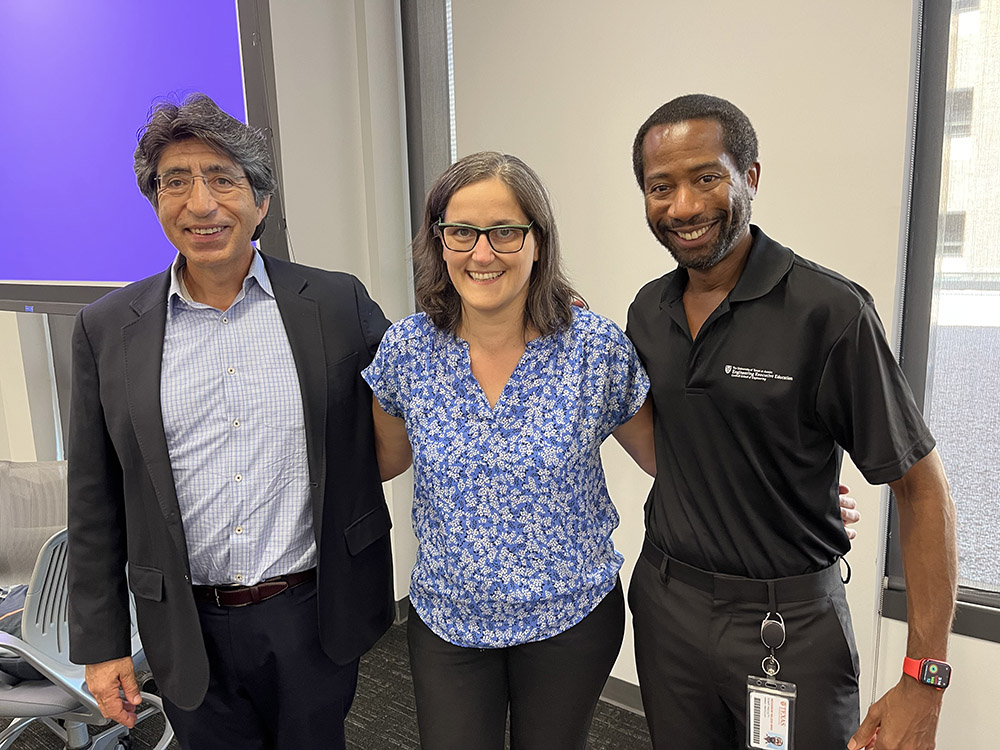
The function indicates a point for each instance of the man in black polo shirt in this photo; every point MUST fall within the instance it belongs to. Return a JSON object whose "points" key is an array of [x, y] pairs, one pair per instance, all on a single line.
{"points": [[765, 367]]}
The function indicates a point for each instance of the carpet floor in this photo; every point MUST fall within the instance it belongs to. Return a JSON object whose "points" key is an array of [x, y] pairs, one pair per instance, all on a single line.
{"points": [[383, 716]]}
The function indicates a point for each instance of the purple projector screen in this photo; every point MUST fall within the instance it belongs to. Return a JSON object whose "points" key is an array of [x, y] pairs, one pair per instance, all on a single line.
{"points": [[78, 82]]}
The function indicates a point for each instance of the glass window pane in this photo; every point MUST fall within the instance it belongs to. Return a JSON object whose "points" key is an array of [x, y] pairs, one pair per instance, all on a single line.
{"points": [[963, 383]]}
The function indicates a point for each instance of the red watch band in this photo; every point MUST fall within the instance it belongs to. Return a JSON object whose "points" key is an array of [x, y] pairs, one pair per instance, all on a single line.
{"points": [[912, 667]]}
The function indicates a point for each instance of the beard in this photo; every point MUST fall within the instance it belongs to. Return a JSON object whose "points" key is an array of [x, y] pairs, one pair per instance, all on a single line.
{"points": [[732, 226]]}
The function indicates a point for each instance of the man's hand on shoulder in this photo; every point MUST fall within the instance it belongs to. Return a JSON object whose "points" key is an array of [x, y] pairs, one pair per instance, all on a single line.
{"points": [[105, 679], [905, 718]]}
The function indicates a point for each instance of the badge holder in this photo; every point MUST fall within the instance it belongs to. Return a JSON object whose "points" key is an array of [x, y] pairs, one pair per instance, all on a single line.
{"points": [[770, 701]]}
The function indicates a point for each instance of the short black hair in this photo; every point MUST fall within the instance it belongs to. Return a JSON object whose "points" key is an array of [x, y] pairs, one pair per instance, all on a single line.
{"points": [[738, 136]]}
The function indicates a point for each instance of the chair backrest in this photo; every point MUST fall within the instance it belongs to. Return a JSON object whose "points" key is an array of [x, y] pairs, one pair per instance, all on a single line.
{"points": [[32, 508], [45, 621]]}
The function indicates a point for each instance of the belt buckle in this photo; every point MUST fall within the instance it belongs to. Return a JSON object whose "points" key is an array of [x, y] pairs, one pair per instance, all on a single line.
{"points": [[215, 591]]}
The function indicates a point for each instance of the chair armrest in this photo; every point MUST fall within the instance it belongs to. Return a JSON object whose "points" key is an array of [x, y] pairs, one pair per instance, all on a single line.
{"points": [[69, 677]]}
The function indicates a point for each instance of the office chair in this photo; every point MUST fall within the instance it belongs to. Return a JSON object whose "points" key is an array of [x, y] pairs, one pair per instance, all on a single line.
{"points": [[59, 699]]}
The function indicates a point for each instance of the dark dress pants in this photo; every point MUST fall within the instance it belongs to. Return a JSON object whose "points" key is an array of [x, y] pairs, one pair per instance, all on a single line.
{"points": [[271, 686], [694, 652], [551, 687]]}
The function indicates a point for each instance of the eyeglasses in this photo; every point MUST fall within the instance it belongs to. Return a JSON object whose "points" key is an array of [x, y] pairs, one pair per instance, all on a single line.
{"points": [[179, 184], [504, 238]]}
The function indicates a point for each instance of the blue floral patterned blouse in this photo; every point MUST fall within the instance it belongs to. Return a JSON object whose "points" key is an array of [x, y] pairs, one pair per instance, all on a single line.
{"points": [[511, 509]]}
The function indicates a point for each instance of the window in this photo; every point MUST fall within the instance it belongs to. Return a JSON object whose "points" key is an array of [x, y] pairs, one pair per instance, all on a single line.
{"points": [[950, 346], [953, 234], [958, 117]]}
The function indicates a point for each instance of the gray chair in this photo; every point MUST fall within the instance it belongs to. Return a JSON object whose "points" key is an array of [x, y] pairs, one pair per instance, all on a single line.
{"points": [[60, 700]]}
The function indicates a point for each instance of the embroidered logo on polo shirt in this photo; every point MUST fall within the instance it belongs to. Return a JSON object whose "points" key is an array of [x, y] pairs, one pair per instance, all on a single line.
{"points": [[754, 373]]}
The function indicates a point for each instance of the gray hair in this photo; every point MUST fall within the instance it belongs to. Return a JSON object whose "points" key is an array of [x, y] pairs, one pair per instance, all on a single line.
{"points": [[738, 136], [550, 297], [200, 118]]}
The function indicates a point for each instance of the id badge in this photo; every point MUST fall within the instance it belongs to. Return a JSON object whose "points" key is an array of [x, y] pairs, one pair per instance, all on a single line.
{"points": [[770, 713]]}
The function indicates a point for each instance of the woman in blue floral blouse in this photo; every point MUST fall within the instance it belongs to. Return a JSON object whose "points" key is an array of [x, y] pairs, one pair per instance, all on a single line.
{"points": [[506, 389]]}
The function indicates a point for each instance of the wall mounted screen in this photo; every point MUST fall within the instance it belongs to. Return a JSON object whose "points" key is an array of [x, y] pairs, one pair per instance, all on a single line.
{"points": [[78, 82]]}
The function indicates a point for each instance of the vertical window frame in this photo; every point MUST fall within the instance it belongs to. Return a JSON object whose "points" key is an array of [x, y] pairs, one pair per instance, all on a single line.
{"points": [[978, 612]]}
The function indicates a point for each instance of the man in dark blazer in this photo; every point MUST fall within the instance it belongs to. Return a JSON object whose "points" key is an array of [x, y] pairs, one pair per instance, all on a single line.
{"points": [[221, 445]]}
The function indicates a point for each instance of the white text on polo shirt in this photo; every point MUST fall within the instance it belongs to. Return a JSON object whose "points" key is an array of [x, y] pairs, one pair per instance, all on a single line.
{"points": [[754, 373]]}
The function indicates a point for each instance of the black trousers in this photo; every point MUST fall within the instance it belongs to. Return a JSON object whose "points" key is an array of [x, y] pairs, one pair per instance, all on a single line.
{"points": [[271, 686], [551, 687], [694, 651]]}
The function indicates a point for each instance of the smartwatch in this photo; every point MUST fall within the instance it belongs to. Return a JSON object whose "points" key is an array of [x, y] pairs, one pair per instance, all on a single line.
{"points": [[931, 672]]}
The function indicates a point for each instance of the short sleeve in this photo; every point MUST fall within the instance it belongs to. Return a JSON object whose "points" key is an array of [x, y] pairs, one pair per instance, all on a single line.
{"points": [[626, 383], [386, 375], [866, 403]]}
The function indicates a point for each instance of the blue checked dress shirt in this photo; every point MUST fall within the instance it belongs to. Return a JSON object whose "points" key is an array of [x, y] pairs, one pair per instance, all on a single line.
{"points": [[232, 415]]}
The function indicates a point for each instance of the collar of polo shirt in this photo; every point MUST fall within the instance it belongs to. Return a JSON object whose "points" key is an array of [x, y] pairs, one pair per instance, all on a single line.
{"points": [[767, 264]]}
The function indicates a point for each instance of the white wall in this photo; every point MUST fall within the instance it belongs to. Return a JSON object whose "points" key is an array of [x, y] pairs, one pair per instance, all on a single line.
{"points": [[16, 436], [343, 157], [29, 428], [827, 86]]}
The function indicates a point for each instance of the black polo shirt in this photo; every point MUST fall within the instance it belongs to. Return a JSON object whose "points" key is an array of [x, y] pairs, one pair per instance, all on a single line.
{"points": [[752, 418]]}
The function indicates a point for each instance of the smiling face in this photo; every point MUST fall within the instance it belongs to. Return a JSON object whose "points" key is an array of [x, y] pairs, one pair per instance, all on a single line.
{"points": [[489, 283], [210, 231], [697, 201]]}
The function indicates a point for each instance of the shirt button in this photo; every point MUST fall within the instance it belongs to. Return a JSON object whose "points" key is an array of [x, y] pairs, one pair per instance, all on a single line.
{"points": [[238, 577], [225, 320], [231, 370], [236, 423], [238, 529], [238, 477]]}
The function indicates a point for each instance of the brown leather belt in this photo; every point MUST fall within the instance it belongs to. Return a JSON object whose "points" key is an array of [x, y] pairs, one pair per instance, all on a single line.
{"points": [[241, 596]]}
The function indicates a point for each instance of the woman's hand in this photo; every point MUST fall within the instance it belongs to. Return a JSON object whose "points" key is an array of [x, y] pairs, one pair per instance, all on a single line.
{"points": [[849, 513]]}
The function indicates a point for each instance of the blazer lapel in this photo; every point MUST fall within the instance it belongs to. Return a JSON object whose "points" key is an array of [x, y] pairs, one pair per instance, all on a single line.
{"points": [[301, 317], [143, 347]]}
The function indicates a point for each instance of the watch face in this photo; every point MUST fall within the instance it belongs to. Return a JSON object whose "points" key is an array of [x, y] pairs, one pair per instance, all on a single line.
{"points": [[936, 673]]}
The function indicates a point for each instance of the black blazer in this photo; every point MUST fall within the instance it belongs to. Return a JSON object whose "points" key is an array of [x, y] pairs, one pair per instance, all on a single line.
{"points": [[123, 504]]}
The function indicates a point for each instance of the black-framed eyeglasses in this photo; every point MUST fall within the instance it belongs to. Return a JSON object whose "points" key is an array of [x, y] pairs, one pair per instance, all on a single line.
{"points": [[503, 238], [179, 184]]}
